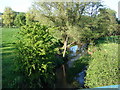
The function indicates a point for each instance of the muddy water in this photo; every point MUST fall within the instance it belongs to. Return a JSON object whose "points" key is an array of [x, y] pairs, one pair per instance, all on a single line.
{"points": [[61, 81]]}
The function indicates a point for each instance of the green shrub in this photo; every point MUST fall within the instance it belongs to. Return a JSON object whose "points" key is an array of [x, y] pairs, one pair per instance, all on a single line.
{"points": [[103, 68], [37, 49], [20, 20]]}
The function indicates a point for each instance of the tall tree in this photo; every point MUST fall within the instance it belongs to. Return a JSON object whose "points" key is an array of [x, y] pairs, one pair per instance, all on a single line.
{"points": [[8, 17], [67, 17]]}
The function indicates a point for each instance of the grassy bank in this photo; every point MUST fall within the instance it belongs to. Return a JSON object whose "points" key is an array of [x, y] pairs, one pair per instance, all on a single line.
{"points": [[109, 44]]}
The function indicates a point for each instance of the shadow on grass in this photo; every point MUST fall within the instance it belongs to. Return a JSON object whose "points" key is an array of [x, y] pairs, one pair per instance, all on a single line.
{"points": [[8, 44], [9, 74]]}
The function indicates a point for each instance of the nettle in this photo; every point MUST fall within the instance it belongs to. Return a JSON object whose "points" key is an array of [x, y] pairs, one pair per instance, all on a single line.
{"points": [[37, 48]]}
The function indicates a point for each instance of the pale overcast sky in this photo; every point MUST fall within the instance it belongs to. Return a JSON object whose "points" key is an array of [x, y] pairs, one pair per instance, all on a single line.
{"points": [[16, 5], [23, 5]]}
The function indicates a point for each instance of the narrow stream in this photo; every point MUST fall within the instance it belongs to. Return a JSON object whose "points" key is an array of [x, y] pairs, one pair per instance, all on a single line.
{"points": [[61, 79], [75, 54]]}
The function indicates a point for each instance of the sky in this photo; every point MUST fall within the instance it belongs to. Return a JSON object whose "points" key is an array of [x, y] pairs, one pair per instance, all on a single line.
{"points": [[16, 5], [24, 5]]}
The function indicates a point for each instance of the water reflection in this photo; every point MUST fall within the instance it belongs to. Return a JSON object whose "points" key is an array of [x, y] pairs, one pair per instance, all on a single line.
{"points": [[75, 53]]}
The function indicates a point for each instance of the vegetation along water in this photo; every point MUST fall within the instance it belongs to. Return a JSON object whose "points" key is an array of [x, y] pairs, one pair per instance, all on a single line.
{"points": [[60, 45]]}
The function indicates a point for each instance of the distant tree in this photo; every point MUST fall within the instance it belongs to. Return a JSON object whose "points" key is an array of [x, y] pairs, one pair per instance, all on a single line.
{"points": [[107, 21], [103, 24], [1, 19], [8, 17], [118, 27], [118, 21], [30, 17], [20, 19]]}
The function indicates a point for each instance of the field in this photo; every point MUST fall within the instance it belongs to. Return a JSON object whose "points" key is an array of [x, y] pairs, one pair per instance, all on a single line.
{"points": [[8, 55]]}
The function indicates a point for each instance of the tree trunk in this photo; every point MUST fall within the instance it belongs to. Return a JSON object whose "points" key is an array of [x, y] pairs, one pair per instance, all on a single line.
{"points": [[65, 46]]}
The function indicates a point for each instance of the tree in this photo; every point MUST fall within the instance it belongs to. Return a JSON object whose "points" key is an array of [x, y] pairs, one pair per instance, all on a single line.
{"points": [[20, 19], [104, 24], [30, 17], [8, 17], [67, 17], [118, 27], [77, 22], [1, 19], [107, 21]]}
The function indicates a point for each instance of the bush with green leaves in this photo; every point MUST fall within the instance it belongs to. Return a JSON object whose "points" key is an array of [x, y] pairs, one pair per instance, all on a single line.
{"points": [[37, 48], [103, 68], [20, 20]]}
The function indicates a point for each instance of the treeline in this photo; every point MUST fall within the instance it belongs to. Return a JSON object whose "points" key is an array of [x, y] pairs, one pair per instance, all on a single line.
{"points": [[10, 18]]}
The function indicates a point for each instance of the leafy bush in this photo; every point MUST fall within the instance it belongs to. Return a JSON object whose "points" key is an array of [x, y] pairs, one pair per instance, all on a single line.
{"points": [[20, 20], [103, 68], [37, 49]]}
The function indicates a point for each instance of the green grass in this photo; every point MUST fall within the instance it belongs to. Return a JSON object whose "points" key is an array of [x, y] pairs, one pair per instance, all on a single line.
{"points": [[8, 56], [9, 36]]}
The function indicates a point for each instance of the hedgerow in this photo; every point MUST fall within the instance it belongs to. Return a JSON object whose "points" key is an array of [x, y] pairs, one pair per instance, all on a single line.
{"points": [[103, 69]]}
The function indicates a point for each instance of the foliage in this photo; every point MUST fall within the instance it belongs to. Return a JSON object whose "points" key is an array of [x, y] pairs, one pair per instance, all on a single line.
{"points": [[37, 49], [107, 39], [79, 22], [20, 20], [78, 66], [99, 26], [30, 17], [103, 68], [8, 17], [70, 17], [107, 21], [1, 19]]}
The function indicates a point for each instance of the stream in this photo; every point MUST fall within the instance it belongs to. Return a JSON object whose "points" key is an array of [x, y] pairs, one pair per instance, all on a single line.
{"points": [[75, 54]]}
